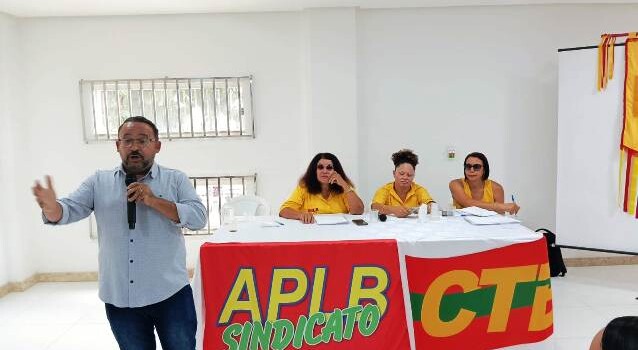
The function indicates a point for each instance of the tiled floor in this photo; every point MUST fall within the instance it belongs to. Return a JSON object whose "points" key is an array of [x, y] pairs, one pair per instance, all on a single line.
{"points": [[69, 316], [589, 297]]}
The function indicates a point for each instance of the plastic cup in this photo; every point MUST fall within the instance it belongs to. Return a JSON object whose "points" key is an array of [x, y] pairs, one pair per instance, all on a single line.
{"points": [[373, 216]]}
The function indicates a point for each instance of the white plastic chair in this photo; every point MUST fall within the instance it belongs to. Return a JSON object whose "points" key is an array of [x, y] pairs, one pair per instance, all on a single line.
{"points": [[248, 205]]}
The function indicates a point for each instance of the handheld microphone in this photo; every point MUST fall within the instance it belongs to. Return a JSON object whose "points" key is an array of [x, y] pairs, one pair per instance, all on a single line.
{"points": [[130, 206]]}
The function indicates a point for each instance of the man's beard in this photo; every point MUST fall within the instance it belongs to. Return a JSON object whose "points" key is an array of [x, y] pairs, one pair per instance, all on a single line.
{"points": [[139, 168]]}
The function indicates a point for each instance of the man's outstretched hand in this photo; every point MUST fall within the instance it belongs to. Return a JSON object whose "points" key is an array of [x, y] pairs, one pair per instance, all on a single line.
{"points": [[47, 200]]}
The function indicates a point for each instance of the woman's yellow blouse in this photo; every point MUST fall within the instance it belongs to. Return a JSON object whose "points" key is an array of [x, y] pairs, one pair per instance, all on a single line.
{"points": [[302, 200], [488, 192], [386, 195]]}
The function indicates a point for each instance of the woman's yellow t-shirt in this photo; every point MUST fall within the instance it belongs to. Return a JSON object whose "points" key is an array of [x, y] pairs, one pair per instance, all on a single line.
{"points": [[488, 193], [302, 200], [386, 195]]}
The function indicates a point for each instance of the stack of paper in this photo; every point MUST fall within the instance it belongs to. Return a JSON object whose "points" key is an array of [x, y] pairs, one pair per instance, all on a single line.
{"points": [[476, 211], [330, 219], [491, 220]]}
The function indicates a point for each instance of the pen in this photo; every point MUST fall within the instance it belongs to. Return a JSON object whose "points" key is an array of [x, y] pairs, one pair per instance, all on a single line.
{"points": [[513, 201]]}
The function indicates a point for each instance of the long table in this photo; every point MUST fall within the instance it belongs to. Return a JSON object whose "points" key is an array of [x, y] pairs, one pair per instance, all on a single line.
{"points": [[400, 284]]}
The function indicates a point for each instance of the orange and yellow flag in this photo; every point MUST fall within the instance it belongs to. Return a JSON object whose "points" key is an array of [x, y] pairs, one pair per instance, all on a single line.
{"points": [[629, 136], [628, 172]]}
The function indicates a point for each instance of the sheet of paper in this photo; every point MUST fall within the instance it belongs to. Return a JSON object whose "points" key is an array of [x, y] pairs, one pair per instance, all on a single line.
{"points": [[270, 223], [330, 219], [476, 211], [491, 220]]}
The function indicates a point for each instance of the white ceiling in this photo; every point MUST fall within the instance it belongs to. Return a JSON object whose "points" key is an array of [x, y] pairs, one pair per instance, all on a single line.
{"points": [[46, 8]]}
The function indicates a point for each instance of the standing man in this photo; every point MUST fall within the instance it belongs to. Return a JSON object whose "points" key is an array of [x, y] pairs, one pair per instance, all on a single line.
{"points": [[142, 270]]}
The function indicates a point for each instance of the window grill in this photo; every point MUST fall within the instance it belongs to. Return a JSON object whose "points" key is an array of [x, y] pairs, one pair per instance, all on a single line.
{"points": [[179, 107], [214, 191]]}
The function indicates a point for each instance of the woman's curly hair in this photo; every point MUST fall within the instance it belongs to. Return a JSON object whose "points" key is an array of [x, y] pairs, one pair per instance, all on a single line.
{"points": [[405, 156]]}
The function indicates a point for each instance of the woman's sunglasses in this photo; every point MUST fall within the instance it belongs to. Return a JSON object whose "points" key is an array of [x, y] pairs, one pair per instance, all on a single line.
{"points": [[328, 167], [475, 167]]}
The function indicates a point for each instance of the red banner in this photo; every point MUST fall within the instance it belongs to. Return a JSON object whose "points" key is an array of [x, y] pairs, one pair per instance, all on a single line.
{"points": [[491, 299], [319, 295]]}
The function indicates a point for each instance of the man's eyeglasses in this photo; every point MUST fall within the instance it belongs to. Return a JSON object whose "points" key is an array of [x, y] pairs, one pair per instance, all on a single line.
{"points": [[141, 143], [328, 167], [475, 167]]}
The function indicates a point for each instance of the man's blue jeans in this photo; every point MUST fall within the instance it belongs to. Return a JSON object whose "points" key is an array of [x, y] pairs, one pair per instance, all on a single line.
{"points": [[174, 319]]}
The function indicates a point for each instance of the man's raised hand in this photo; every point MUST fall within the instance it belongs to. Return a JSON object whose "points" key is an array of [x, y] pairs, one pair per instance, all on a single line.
{"points": [[47, 200]]}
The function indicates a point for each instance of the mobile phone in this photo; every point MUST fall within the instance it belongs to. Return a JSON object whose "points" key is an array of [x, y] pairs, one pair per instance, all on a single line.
{"points": [[359, 222]]}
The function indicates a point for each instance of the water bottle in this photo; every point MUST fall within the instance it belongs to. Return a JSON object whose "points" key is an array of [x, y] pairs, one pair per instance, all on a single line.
{"points": [[423, 213], [435, 214], [228, 218]]}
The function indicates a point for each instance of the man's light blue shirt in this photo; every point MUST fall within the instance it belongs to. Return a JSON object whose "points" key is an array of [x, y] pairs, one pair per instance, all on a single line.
{"points": [[145, 265]]}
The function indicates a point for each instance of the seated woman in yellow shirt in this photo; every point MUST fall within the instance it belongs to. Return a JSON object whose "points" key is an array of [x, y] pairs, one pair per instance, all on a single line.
{"points": [[323, 189], [476, 190], [400, 196]]}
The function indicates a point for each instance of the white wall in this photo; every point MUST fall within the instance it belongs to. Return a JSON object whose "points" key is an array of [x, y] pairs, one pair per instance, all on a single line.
{"points": [[481, 79], [60, 52], [15, 261], [331, 84], [358, 83], [5, 168]]}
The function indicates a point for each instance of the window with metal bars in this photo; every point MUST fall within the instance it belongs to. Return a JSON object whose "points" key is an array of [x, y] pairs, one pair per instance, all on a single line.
{"points": [[179, 107], [214, 191]]}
